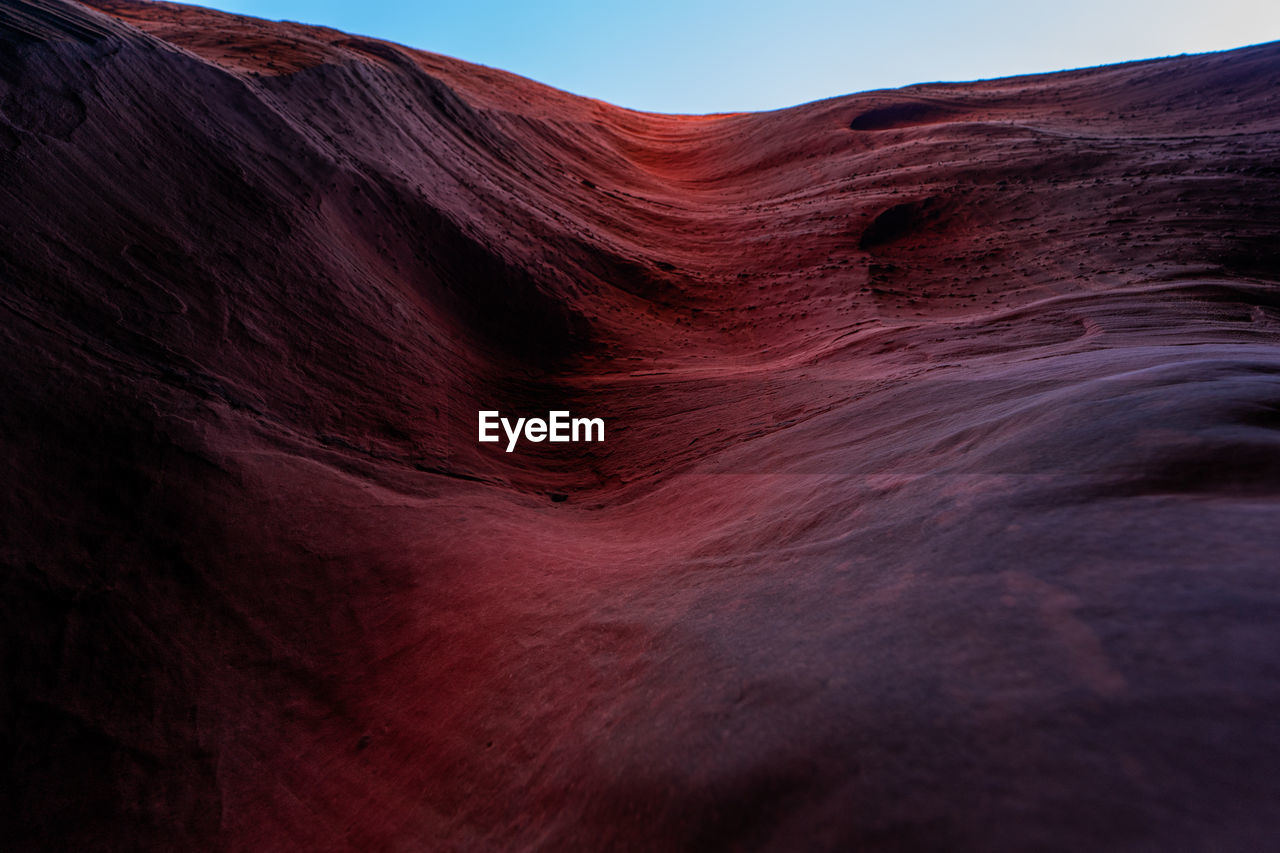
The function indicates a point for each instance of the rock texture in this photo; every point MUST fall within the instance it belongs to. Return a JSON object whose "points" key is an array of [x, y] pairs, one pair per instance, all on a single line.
{"points": [[939, 507]]}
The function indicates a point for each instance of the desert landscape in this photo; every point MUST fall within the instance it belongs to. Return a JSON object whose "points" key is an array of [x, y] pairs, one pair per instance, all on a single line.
{"points": [[938, 507]]}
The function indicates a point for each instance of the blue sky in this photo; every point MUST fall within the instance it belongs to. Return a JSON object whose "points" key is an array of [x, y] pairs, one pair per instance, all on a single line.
{"points": [[697, 56]]}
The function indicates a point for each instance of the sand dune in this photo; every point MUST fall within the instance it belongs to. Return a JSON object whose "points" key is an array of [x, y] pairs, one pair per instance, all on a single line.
{"points": [[938, 508]]}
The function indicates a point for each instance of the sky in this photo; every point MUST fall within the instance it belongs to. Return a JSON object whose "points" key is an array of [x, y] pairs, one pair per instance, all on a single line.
{"points": [[703, 56]]}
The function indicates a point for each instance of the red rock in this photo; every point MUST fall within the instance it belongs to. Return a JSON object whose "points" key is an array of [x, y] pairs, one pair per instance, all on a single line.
{"points": [[938, 506]]}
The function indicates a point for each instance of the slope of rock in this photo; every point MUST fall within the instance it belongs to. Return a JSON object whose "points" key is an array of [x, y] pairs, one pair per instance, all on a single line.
{"points": [[937, 508]]}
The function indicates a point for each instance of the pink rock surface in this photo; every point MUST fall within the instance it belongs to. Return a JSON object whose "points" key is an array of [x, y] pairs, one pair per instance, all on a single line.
{"points": [[937, 508]]}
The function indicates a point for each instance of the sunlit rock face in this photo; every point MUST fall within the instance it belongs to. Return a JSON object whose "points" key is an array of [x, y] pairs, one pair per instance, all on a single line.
{"points": [[936, 507]]}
